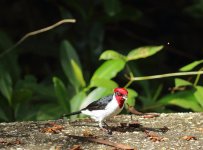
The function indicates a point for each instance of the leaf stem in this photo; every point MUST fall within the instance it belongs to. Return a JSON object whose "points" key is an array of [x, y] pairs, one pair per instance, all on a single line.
{"points": [[35, 33], [197, 78], [167, 75]]}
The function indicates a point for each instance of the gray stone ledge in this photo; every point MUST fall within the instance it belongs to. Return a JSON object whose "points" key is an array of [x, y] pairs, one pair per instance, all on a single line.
{"points": [[30, 134]]}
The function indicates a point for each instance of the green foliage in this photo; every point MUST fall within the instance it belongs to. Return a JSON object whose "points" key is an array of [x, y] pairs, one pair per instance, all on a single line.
{"points": [[61, 94], [191, 65], [26, 90], [6, 85], [141, 52], [102, 77], [71, 65], [188, 99]]}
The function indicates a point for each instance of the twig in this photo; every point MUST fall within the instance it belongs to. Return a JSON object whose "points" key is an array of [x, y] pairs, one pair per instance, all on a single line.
{"points": [[102, 141], [37, 32], [166, 75]]}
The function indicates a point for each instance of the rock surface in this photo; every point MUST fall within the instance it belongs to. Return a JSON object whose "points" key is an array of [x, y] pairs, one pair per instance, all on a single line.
{"points": [[166, 131]]}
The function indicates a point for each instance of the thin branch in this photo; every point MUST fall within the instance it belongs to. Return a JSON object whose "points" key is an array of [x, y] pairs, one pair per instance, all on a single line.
{"points": [[102, 141], [37, 32], [166, 75]]}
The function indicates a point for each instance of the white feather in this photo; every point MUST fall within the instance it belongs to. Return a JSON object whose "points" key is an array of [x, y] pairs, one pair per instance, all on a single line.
{"points": [[100, 115]]}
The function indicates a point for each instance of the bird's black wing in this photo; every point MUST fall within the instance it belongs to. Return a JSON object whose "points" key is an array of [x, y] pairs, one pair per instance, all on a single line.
{"points": [[99, 104]]}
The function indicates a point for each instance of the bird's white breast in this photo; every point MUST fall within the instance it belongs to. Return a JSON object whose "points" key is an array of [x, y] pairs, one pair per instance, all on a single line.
{"points": [[110, 110]]}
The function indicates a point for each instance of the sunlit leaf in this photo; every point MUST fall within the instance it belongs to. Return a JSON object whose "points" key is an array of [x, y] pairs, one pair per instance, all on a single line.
{"points": [[111, 54], [101, 82], [71, 65], [109, 69], [143, 52], [181, 82], [191, 65], [199, 94], [185, 99], [78, 73], [61, 94]]}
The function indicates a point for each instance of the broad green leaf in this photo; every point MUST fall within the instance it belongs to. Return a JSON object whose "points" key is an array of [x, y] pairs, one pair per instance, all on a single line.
{"points": [[71, 65], [185, 99], [78, 73], [95, 95], [108, 69], [100, 82], [111, 54], [191, 65], [181, 82], [61, 94], [143, 52], [112, 7], [199, 95], [77, 101], [132, 94], [6, 85]]}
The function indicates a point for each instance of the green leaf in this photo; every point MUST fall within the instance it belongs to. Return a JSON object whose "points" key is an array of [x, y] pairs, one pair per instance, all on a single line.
{"points": [[71, 65], [108, 69], [191, 65], [95, 95], [111, 54], [112, 7], [78, 73], [143, 52], [77, 101], [199, 95], [6, 85], [181, 82], [185, 99], [61, 94], [100, 82], [132, 94]]}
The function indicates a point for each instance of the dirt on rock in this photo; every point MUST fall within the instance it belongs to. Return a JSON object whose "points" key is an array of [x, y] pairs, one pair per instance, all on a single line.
{"points": [[156, 132]]}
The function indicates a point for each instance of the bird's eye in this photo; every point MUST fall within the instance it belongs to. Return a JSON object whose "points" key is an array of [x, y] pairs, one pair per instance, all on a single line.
{"points": [[119, 94]]}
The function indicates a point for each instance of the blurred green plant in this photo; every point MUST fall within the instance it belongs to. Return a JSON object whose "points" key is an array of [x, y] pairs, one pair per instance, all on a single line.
{"points": [[18, 96], [115, 62], [101, 82]]}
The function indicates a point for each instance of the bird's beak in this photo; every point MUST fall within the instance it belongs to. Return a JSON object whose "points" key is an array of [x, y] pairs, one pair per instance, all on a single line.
{"points": [[125, 97]]}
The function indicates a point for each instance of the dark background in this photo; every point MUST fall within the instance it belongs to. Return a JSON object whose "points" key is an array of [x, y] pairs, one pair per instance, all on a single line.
{"points": [[120, 25]]}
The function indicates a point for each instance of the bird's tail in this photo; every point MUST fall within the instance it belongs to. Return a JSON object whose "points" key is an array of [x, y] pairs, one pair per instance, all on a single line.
{"points": [[73, 113]]}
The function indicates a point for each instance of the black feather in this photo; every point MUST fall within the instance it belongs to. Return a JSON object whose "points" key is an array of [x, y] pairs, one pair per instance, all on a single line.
{"points": [[73, 113], [96, 105], [99, 104]]}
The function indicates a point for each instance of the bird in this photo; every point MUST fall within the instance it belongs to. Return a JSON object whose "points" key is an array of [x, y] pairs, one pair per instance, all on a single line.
{"points": [[105, 107]]}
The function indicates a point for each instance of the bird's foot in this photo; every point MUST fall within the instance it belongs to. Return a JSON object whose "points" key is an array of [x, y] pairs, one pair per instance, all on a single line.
{"points": [[108, 130]]}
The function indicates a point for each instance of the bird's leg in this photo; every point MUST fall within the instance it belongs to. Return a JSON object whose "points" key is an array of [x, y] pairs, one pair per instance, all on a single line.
{"points": [[107, 127]]}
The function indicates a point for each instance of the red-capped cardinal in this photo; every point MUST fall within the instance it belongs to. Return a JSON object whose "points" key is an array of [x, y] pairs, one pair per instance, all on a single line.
{"points": [[105, 107]]}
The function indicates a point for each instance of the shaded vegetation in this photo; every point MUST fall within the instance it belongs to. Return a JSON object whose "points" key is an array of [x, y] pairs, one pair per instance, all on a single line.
{"points": [[59, 71]]}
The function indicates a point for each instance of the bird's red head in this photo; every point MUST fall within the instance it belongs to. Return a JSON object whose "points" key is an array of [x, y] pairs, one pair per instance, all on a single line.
{"points": [[121, 95]]}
